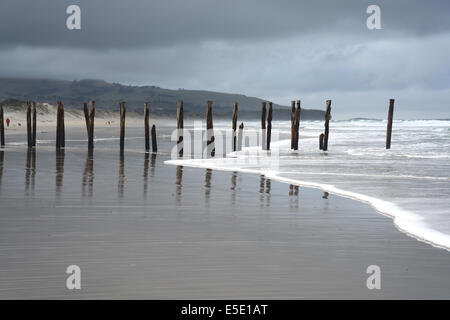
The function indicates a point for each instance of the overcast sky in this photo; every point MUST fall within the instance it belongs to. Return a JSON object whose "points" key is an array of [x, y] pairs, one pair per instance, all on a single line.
{"points": [[277, 50]]}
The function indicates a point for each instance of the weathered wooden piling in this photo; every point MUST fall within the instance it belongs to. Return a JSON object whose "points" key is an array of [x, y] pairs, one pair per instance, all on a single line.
{"points": [[210, 146], [180, 125], [29, 137], [298, 111], [2, 127], [147, 127], [263, 126], [33, 136], [234, 125], [86, 116], [389, 124], [91, 117], [321, 141], [240, 136], [60, 130], [292, 124], [154, 145], [122, 125], [327, 125], [269, 125]]}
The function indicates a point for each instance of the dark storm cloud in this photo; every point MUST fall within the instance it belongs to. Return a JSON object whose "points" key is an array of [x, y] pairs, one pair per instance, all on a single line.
{"points": [[143, 23]]}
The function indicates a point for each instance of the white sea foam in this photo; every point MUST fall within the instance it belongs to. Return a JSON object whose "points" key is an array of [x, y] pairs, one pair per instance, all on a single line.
{"points": [[409, 183]]}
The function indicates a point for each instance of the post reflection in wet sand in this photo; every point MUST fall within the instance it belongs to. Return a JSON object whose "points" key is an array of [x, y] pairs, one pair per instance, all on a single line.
{"points": [[121, 175], [152, 165], [30, 171], [88, 176], [264, 191], [178, 184], [145, 174], [208, 174], [233, 187], [60, 155], [293, 196], [2, 158]]}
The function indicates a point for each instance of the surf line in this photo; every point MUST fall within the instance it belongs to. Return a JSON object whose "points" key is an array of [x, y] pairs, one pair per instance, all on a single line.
{"points": [[405, 221]]}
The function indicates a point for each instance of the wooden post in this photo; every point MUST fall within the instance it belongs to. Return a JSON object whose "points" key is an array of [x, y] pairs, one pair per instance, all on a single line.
{"points": [[234, 125], [154, 145], [34, 125], [269, 125], [2, 127], [29, 138], [86, 116], [240, 136], [91, 116], [180, 128], [122, 125], [327, 125], [60, 131], [297, 124], [209, 130], [389, 125], [263, 126], [292, 124], [321, 141], [147, 127]]}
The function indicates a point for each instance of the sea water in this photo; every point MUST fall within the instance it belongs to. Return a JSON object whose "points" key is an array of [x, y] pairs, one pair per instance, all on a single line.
{"points": [[410, 182]]}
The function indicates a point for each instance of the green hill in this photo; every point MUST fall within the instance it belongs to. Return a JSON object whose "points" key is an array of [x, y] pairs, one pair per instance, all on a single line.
{"points": [[162, 101]]}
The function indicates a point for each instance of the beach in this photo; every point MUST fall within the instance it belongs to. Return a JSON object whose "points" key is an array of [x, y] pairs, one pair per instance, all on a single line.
{"points": [[139, 227]]}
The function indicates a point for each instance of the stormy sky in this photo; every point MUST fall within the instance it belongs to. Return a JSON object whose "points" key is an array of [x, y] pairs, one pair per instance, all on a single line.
{"points": [[276, 50]]}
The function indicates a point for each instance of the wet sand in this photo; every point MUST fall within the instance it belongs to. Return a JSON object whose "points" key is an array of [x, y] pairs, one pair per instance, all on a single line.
{"points": [[141, 229]]}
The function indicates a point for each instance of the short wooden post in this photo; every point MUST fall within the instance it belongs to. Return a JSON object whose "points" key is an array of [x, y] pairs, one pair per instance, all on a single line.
{"points": [[263, 126], [210, 146], [269, 125], [297, 124], [91, 125], [389, 124], [60, 130], [2, 127], [34, 125], [240, 136], [292, 124], [122, 125], [234, 125], [29, 138], [180, 128], [154, 145], [321, 141], [327, 125], [147, 127]]}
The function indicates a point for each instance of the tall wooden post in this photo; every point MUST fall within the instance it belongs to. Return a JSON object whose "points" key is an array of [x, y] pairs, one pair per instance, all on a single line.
{"points": [[297, 124], [33, 142], [210, 146], [292, 124], [263, 126], [122, 125], [389, 124], [60, 130], [147, 127], [269, 125], [240, 136], [29, 138], [154, 145], [180, 125], [234, 125], [2, 127], [327, 125], [86, 116], [91, 125]]}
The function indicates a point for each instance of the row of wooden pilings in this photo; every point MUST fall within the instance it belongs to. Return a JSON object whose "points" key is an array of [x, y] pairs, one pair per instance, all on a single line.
{"points": [[266, 126]]}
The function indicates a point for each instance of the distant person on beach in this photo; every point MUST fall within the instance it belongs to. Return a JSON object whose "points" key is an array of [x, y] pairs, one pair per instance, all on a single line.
{"points": [[7, 122]]}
